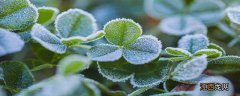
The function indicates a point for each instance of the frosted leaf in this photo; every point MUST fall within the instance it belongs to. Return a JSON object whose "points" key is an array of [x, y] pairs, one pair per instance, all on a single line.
{"points": [[73, 40], [47, 15], [141, 75], [105, 52], [210, 14], [16, 75], [233, 14], [177, 52], [163, 8], [211, 53], [26, 35], [195, 80], [72, 64], [217, 47], [143, 50], [214, 79], [224, 64], [95, 36], [17, 14], [75, 22], [190, 69], [47, 39], [73, 85], [182, 25], [193, 43], [178, 93], [9, 42], [122, 31]]}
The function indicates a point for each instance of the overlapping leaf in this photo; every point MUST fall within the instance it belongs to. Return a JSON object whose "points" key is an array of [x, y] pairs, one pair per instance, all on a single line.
{"points": [[46, 15]]}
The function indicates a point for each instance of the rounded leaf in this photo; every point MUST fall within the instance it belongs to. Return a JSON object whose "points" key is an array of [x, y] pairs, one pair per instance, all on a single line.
{"points": [[163, 8], [17, 14], [217, 47], [47, 15], [72, 64], [211, 53], [143, 50], [190, 69], [105, 52], [75, 22], [193, 43], [233, 14], [141, 75], [10, 42], [73, 40], [122, 31], [210, 14], [47, 39], [177, 52], [182, 25]]}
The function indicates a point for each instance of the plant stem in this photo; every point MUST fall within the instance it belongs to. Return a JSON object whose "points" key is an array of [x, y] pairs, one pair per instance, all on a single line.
{"points": [[139, 91], [165, 86]]}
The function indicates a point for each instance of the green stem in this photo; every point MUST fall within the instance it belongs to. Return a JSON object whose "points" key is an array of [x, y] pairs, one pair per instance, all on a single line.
{"points": [[165, 86], [139, 91]]}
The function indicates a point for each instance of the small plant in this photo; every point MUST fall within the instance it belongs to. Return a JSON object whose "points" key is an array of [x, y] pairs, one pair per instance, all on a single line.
{"points": [[66, 45]]}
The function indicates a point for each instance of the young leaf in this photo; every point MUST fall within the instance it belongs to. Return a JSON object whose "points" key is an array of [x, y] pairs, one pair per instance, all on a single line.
{"points": [[105, 52], [215, 80], [47, 39], [72, 64], [217, 47], [177, 52], [182, 25], [163, 8], [73, 40], [122, 31], [143, 50], [210, 14], [211, 53], [95, 36], [16, 75], [225, 64], [190, 69], [17, 14], [141, 75], [9, 42], [193, 43], [233, 14], [75, 22], [47, 15]]}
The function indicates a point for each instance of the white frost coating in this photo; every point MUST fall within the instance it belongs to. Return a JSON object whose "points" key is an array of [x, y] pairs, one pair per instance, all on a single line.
{"points": [[193, 43], [47, 39], [65, 22], [55, 10], [105, 53], [209, 52], [215, 79], [10, 42], [177, 51], [190, 69], [179, 25], [143, 50], [233, 14]]}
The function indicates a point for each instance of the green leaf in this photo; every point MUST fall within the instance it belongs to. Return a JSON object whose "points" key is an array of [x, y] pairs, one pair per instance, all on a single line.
{"points": [[122, 31], [47, 39], [163, 8], [211, 53], [73, 85], [216, 80], [105, 52], [73, 40], [73, 64], [75, 22], [178, 52], [217, 47], [210, 14], [224, 64], [140, 75], [95, 36], [9, 42], [182, 25], [17, 14], [47, 15], [143, 50], [193, 43], [190, 69], [195, 80], [16, 75]]}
